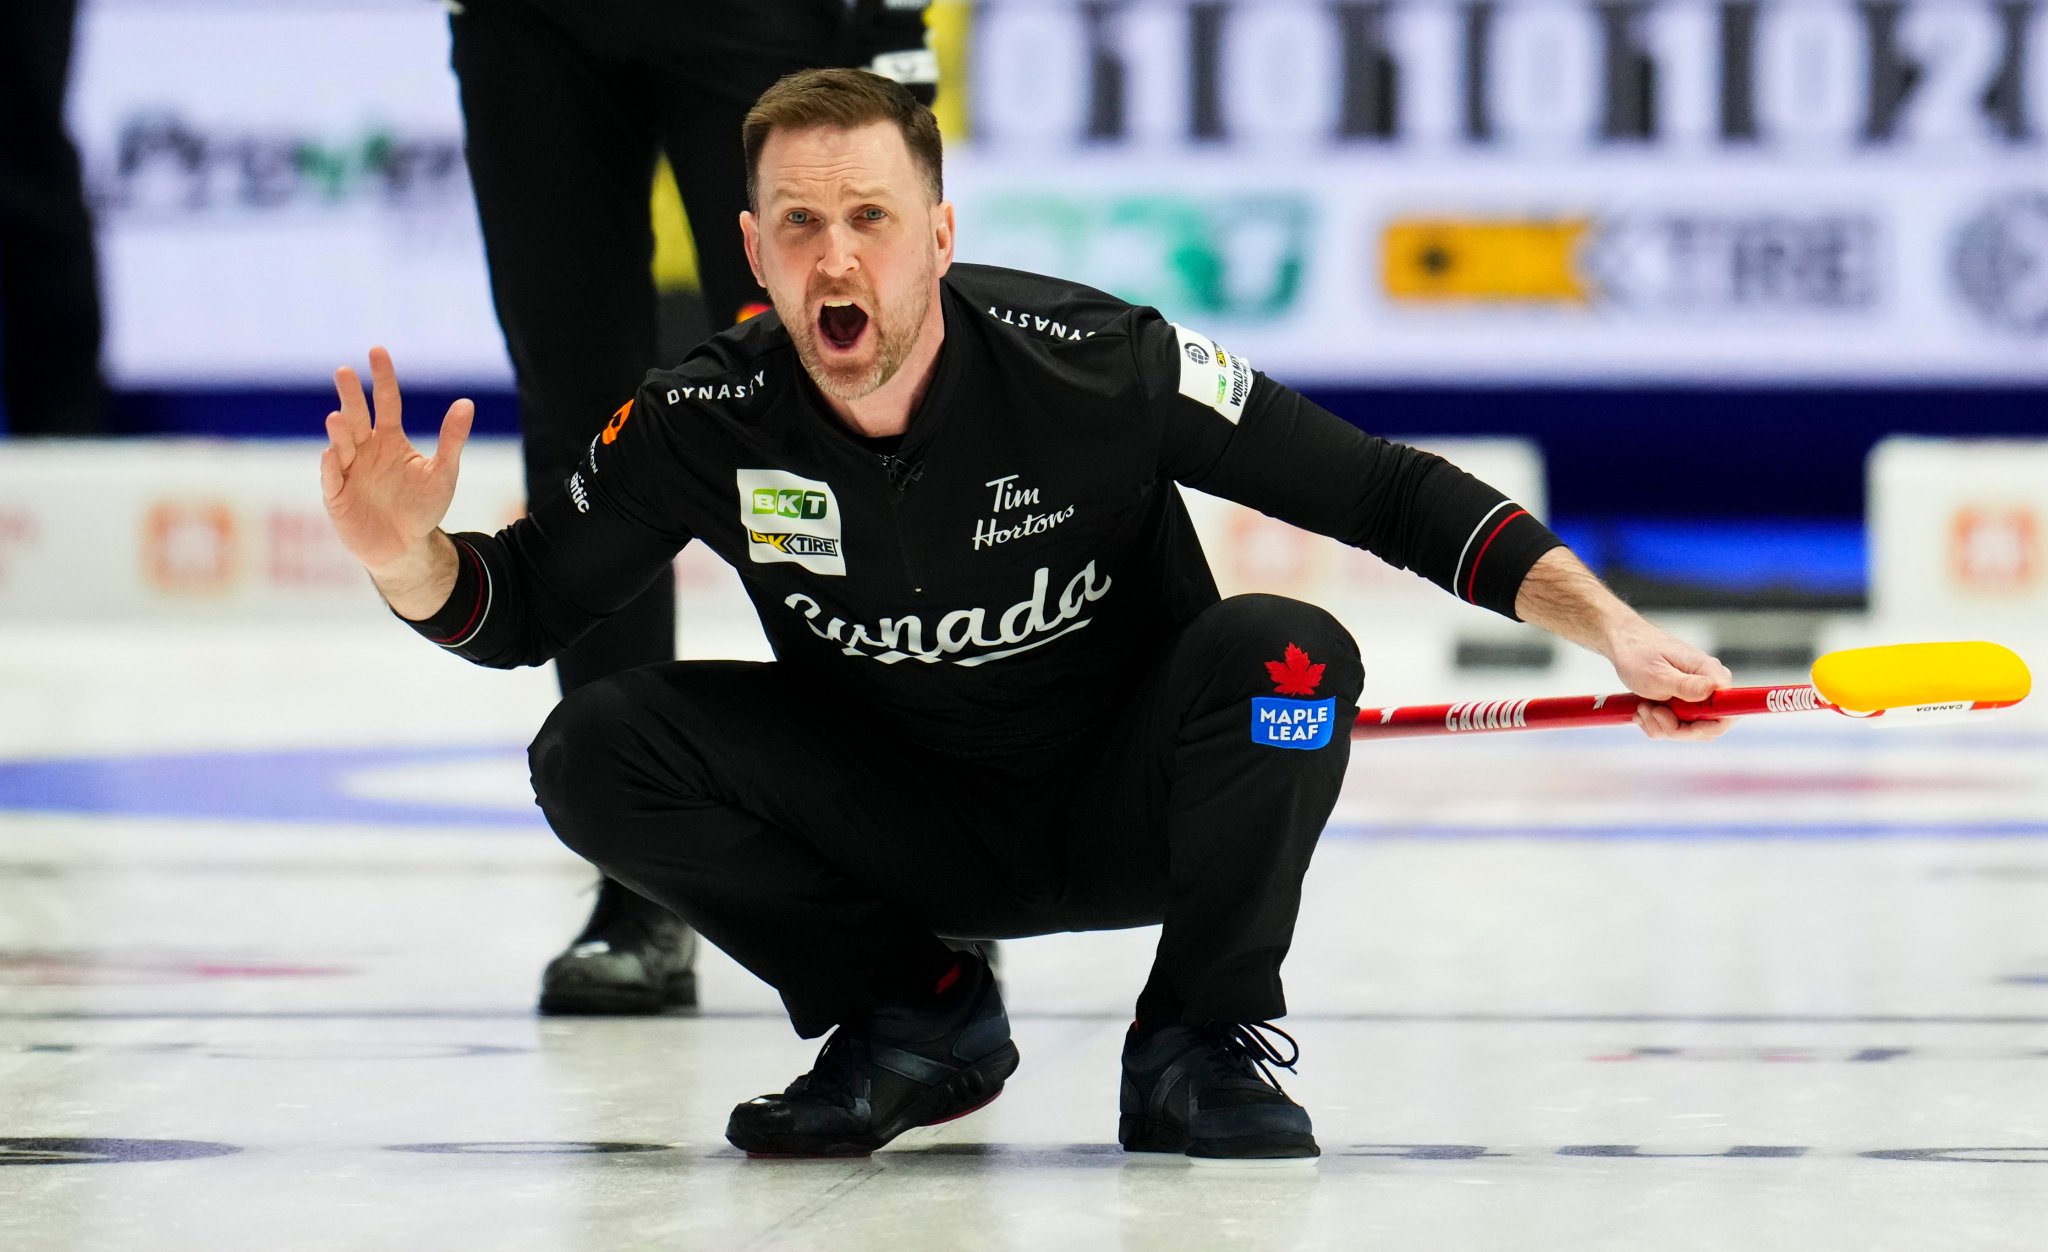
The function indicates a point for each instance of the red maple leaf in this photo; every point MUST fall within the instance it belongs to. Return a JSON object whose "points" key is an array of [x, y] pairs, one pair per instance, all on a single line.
{"points": [[1295, 676]]}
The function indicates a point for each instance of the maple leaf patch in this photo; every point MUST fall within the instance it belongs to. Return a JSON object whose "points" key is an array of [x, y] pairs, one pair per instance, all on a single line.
{"points": [[1295, 676]]}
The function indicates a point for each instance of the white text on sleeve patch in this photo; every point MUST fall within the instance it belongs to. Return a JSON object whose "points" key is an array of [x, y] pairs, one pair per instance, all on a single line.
{"points": [[1212, 377]]}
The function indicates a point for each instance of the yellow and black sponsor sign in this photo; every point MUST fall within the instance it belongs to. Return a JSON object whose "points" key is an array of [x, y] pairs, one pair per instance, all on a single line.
{"points": [[796, 545], [1480, 260], [806, 525]]}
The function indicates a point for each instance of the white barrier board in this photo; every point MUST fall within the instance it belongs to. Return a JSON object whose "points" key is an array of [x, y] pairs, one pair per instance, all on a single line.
{"points": [[1249, 551], [219, 531], [200, 530]]}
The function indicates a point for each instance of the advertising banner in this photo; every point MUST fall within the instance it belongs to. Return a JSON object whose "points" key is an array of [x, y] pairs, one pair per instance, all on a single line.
{"points": [[218, 531], [278, 187], [1513, 190], [199, 530], [213, 530], [1348, 191], [1959, 534]]}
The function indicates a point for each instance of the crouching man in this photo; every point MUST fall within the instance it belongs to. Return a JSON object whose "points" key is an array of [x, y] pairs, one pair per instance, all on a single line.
{"points": [[1007, 699]]}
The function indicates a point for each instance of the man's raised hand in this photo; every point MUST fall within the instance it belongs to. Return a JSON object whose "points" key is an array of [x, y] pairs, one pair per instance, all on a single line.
{"points": [[386, 500]]}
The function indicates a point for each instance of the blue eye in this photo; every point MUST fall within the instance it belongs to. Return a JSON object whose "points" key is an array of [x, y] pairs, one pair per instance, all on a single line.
{"points": [[798, 217]]}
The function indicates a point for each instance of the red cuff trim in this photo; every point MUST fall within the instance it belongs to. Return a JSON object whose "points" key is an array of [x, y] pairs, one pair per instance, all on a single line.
{"points": [[1472, 581], [478, 608]]}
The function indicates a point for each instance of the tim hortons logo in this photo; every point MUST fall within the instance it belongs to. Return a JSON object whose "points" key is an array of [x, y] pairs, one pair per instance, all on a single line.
{"points": [[1009, 497]]}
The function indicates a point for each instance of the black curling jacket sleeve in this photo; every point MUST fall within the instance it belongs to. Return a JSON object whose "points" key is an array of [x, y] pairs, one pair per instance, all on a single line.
{"points": [[1233, 432], [524, 594], [996, 579]]}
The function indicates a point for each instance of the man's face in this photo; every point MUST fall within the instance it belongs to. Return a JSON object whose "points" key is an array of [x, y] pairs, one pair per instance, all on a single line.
{"points": [[850, 250]]}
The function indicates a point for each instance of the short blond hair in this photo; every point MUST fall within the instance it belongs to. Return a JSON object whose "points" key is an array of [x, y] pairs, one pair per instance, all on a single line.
{"points": [[845, 100]]}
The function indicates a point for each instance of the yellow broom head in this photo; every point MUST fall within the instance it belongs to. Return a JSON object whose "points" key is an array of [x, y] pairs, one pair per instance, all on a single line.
{"points": [[1905, 675]]}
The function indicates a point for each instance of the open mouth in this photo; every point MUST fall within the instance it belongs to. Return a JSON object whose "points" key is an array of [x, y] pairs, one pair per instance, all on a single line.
{"points": [[841, 323]]}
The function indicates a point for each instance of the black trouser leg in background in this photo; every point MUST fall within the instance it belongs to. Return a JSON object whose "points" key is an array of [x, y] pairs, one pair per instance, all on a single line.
{"points": [[562, 143], [700, 132], [49, 277], [562, 150], [804, 842], [563, 128]]}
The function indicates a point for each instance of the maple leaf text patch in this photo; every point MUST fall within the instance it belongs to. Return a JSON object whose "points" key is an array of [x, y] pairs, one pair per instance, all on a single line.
{"points": [[1212, 377], [1278, 723]]}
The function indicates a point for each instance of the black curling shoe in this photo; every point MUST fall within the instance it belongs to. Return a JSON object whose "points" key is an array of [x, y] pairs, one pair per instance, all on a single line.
{"points": [[633, 958], [1207, 1091], [880, 1076]]}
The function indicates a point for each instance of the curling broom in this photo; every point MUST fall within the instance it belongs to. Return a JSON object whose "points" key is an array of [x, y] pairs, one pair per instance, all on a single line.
{"points": [[1896, 680]]}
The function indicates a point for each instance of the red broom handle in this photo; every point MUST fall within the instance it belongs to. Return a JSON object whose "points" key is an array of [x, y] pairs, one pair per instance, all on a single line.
{"points": [[1901, 679], [1554, 712]]}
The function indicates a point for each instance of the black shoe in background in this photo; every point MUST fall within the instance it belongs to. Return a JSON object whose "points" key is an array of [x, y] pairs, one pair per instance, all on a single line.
{"points": [[1206, 1091], [633, 958], [894, 1069], [987, 949]]}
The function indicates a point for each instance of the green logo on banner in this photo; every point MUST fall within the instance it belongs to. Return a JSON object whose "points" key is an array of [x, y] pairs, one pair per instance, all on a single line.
{"points": [[1235, 257]]}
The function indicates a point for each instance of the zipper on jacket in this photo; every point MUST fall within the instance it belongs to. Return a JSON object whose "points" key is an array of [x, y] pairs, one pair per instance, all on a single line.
{"points": [[901, 474]]}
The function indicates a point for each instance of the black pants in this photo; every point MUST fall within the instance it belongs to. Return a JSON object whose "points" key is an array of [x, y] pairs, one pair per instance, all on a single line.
{"points": [[809, 845], [49, 280], [564, 123]]}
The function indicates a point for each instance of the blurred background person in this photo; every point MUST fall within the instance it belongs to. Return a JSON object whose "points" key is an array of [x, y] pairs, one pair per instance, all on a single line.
{"points": [[568, 107], [49, 280]]}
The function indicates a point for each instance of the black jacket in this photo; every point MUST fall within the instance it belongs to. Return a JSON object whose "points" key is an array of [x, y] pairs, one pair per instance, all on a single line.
{"points": [[1001, 579]]}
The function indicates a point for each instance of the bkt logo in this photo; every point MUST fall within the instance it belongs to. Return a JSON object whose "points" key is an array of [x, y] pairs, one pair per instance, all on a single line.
{"points": [[806, 532], [796, 504]]}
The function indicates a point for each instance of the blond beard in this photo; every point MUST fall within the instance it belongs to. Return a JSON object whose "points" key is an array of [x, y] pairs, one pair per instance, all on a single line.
{"points": [[895, 340]]}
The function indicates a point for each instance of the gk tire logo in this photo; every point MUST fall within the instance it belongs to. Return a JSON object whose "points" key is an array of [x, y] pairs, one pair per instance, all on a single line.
{"points": [[784, 502], [805, 524]]}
